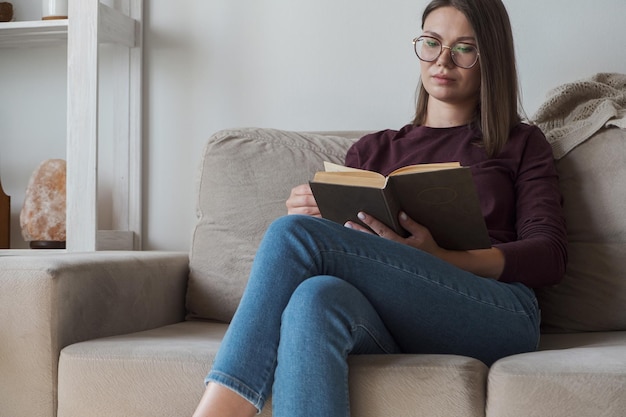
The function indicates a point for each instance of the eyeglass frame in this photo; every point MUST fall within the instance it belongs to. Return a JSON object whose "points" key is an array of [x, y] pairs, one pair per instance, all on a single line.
{"points": [[442, 46]]}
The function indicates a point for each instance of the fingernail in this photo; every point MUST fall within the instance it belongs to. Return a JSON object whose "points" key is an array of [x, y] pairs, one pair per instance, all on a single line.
{"points": [[361, 215], [348, 225], [403, 216]]}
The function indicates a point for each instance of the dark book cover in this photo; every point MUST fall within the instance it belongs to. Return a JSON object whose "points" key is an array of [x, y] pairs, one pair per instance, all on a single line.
{"points": [[444, 201]]}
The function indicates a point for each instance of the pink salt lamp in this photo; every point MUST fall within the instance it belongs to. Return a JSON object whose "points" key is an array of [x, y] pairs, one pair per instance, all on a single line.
{"points": [[43, 215]]}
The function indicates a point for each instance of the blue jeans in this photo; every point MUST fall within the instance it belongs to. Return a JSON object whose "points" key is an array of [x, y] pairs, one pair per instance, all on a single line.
{"points": [[319, 291]]}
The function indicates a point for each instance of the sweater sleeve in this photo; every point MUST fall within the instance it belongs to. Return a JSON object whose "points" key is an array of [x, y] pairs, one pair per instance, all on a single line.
{"points": [[352, 157], [539, 255]]}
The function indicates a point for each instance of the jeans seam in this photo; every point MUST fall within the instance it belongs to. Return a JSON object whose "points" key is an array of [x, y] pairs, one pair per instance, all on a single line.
{"points": [[374, 337]]}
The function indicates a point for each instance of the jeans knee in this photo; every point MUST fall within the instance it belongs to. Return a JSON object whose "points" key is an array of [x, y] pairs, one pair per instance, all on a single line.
{"points": [[314, 301], [290, 223], [304, 235]]}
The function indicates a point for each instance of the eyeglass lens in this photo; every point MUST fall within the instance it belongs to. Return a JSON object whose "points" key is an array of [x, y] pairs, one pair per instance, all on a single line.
{"points": [[428, 49]]}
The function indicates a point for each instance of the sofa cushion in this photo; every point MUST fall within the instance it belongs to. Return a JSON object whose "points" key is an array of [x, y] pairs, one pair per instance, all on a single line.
{"points": [[159, 373], [583, 375], [593, 293], [417, 385], [246, 176]]}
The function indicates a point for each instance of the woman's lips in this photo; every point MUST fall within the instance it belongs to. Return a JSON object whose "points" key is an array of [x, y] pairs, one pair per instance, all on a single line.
{"points": [[442, 79]]}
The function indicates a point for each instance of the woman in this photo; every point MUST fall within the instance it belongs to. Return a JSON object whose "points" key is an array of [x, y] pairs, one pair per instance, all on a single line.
{"points": [[318, 291]]}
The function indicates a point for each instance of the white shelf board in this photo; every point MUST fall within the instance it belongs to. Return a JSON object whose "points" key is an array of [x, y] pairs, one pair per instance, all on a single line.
{"points": [[107, 240], [31, 252], [33, 33], [114, 26]]}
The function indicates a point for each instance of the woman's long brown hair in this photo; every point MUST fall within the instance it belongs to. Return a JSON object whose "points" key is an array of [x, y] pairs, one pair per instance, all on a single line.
{"points": [[499, 105]]}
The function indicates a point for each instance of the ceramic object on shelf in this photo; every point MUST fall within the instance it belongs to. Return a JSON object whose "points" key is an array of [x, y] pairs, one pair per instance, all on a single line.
{"points": [[54, 9], [5, 220], [6, 11]]}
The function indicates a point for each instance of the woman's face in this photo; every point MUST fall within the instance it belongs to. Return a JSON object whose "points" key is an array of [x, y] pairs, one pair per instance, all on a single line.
{"points": [[442, 78]]}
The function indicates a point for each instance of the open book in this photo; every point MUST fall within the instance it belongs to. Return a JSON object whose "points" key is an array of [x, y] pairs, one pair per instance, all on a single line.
{"points": [[441, 197]]}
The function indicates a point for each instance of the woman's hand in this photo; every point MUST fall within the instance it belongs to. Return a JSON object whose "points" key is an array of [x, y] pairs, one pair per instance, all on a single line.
{"points": [[488, 263], [301, 201], [419, 236]]}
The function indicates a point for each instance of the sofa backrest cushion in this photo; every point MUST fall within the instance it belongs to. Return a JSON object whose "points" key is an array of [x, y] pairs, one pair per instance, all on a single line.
{"points": [[246, 176], [592, 296]]}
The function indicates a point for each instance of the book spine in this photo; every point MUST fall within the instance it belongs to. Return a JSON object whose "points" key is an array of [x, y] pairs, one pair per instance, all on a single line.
{"points": [[393, 211]]}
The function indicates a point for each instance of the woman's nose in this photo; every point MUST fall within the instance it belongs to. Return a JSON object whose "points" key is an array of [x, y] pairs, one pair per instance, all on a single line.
{"points": [[445, 58]]}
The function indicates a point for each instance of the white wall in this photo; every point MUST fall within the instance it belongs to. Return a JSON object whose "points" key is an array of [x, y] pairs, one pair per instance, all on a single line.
{"points": [[320, 65], [301, 65]]}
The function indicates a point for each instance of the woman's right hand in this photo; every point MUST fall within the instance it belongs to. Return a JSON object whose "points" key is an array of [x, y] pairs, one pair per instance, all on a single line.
{"points": [[301, 201]]}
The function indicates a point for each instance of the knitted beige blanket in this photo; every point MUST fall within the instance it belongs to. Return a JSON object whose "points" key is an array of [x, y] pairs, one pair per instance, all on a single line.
{"points": [[573, 112]]}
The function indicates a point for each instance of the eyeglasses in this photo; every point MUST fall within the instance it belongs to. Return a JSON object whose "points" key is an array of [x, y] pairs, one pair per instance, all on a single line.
{"points": [[428, 49]]}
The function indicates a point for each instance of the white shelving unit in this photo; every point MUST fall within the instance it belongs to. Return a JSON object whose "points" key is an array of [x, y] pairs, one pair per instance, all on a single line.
{"points": [[90, 25]]}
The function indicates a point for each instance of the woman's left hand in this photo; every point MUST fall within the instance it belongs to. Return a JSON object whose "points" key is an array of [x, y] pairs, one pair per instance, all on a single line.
{"points": [[488, 263], [419, 236]]}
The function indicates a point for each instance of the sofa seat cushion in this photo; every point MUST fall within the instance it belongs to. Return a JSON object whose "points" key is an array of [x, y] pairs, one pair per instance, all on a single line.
{"points": [[577, 375], [159, 373], [417, 385]]}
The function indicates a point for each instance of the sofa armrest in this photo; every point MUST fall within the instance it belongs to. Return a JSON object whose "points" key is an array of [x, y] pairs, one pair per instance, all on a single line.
{"points": [[49, 301]]}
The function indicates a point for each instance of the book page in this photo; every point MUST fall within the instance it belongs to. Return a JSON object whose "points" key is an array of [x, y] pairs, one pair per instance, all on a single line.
{"points": [[330, 167], [410, 169], [357, 178], [340, 174]]}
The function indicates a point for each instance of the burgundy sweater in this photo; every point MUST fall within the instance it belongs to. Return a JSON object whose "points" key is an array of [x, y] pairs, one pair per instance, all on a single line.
{"points": [[518, 189]]}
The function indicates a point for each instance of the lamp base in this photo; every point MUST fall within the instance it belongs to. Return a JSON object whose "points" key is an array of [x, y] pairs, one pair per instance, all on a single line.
{"points": [[47, 244]]}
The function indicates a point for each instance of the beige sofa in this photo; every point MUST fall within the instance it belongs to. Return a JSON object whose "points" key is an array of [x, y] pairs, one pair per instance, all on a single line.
{"points": [[134, 333]]}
